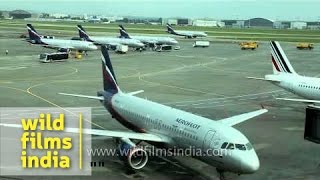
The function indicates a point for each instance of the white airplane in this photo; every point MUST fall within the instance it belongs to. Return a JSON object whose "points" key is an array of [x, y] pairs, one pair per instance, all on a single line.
{"points": [[168, 128], [286, 77], [187, 34], [110, 41], [61, 44], [148, 39]]}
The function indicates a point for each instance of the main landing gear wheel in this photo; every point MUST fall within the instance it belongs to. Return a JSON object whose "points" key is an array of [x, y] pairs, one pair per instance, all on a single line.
{"points": [[221, 174]]}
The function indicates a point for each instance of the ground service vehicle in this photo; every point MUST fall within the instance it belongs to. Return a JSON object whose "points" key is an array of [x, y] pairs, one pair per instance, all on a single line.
{"points": [[122, 49], [160, 48], [305, 46], [201, 44], [52, 57], [249, 45]]}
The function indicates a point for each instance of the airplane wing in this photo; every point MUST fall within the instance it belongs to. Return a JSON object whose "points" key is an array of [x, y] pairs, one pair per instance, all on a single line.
{"points": [[136, 92], [299, 100], [263, 79], [231, 121], [107, 133], [83, 96]]}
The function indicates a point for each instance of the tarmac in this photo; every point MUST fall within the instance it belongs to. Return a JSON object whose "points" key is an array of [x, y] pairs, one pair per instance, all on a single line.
{"points": [[210, 82]]}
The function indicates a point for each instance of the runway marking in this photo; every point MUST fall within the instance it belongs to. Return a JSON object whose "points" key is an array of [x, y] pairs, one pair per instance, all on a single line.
{"points": [[229, 104], [294, 128], [29, 92], [226, 97], [12, 68], [177, 87], [75, 70], [43, 99]]}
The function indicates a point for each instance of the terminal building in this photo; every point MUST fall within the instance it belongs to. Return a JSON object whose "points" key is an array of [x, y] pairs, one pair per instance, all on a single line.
{"points": [[208, 23]]}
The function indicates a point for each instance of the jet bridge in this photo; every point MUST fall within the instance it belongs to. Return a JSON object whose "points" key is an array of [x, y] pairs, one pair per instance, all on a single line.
{"points": [[312, 124]]}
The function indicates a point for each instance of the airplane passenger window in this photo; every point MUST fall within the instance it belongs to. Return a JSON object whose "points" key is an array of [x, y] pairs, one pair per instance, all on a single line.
{"points": [[224, 145], [241, 147]]}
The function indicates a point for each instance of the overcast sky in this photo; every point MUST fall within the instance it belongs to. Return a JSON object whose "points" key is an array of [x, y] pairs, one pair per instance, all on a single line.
{"points": [[216, 9]]}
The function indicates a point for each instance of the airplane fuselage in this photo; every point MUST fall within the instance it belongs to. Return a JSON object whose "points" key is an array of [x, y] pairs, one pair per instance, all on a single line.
{"points": [[155, 40], [185, 130], [191, 34], [307, 87], [116, 41], [69, 44]]}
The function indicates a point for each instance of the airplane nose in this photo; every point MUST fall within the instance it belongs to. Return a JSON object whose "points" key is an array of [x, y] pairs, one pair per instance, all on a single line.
{"points": [[251, 164], [94, 47], [140, 44]]}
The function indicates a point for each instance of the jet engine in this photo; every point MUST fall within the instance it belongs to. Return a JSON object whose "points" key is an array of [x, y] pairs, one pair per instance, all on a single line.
{"points": [[133, 156]]}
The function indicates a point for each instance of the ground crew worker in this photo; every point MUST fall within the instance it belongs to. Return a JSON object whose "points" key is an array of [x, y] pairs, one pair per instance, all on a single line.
{"points": [[7, 51]]}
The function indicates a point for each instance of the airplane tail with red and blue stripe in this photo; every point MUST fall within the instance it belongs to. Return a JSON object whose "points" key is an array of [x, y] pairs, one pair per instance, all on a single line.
{"points": [[280, 61]]}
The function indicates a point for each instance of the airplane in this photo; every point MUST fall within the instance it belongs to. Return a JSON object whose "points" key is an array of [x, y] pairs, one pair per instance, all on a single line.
{"points": [[186, 34], [286, 77], [60, 44], [148, 39], [174, 128], [110, 41]]}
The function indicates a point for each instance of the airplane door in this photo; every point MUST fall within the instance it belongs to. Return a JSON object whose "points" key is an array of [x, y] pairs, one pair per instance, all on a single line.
{"points": [[215, 142], [208, 138]]}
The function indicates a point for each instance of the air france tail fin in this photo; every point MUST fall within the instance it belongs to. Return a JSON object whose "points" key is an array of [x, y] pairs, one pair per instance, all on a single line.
{"points": [[33, 34], [83, 34], [109, 78], [123, 32], [170, 29], [280, 62]]}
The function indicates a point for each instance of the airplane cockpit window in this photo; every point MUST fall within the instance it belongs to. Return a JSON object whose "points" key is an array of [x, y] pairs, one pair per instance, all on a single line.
{"points": [[224, 145], [230, 146], [249, 146], [241, 147]]}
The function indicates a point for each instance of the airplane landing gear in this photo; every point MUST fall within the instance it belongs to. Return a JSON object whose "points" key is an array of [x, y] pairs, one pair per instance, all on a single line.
{"points": [[221, 174]]}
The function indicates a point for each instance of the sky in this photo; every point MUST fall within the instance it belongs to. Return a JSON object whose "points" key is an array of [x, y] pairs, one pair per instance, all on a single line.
{"points": [[215, 9]]}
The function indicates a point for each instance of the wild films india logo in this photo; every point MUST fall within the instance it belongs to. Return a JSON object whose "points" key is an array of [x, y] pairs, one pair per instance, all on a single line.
{"points": [[51, 141]]}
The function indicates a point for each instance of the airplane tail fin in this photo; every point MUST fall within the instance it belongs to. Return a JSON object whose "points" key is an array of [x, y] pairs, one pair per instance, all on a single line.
{"points": [[83, 34], [33, 34], [170, 29], [123, 32], [109, 78], [280, 62]]}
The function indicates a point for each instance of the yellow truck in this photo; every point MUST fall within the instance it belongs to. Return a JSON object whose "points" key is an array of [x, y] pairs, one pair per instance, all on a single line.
{"points": [[305, 46], [249, 45]]}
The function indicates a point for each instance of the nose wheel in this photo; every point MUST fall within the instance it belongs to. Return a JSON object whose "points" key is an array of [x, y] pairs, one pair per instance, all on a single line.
{"points": [[221, 174]]}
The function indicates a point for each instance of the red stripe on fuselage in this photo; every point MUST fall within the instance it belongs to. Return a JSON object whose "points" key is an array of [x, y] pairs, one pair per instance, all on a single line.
{"points": [[275, 64]]}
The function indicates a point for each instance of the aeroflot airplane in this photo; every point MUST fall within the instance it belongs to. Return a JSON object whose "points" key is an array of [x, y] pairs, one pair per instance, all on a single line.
{"points": [[285, 76], [112, 41], [187, 34], [148, 39], [61, 44], [174, 128]]}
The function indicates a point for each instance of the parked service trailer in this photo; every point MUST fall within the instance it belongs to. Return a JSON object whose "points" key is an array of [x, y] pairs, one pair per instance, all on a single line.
{"points": [[121, 49], [201, 44], [53, 57], [160, 48]]}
